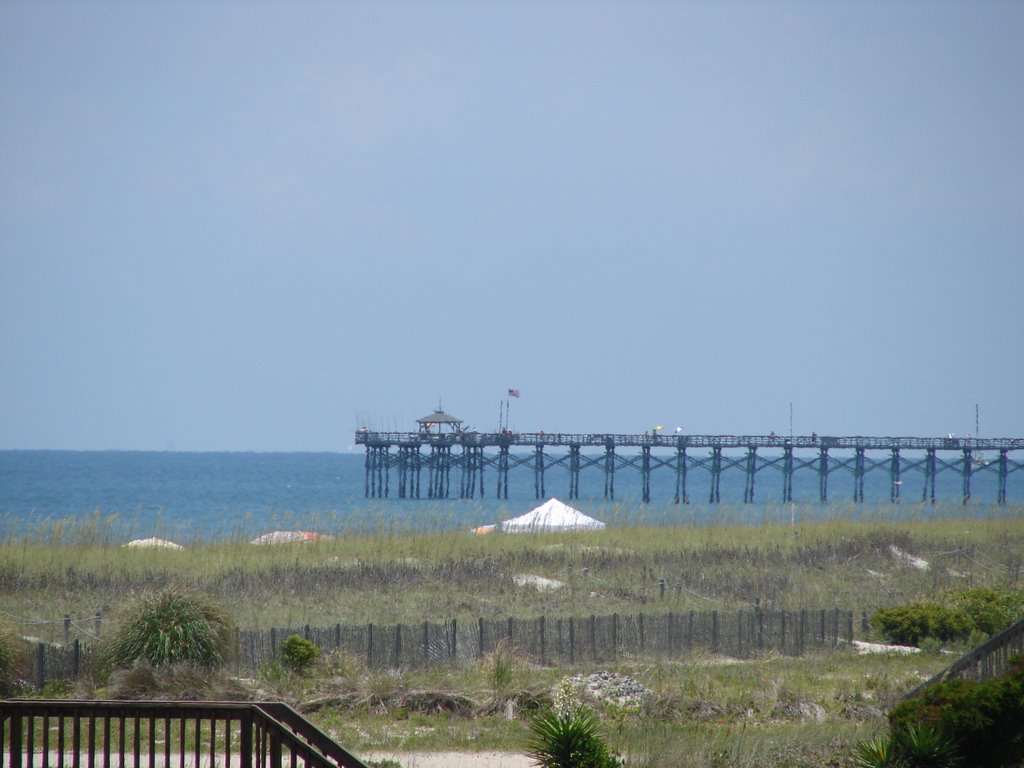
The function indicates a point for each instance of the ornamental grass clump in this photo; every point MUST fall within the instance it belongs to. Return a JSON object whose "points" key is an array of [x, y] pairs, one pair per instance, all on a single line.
{"points": [[12, 658], [170, 626]]}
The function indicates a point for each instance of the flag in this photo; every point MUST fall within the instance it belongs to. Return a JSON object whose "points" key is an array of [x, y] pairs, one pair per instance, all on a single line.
{"points": [[513, 393]]}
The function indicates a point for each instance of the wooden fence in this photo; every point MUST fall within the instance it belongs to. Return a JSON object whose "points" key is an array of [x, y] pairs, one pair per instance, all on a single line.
{"points": [[542, 640]]}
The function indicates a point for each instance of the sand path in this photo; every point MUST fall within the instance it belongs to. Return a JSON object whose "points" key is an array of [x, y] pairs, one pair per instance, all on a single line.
{"points": [[455, 759]]}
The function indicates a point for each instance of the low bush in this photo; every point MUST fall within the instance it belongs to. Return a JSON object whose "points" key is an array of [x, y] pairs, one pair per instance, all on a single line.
{"points": [[984, 718], [299, 654], [910, 624], [991, 610]]}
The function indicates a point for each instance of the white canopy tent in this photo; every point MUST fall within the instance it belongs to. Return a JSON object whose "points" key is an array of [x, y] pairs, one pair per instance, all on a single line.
{"points": [[552, 515]]}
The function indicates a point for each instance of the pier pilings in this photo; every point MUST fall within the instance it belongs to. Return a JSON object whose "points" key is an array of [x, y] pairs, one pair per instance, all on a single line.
{"points": [[471, 455]]}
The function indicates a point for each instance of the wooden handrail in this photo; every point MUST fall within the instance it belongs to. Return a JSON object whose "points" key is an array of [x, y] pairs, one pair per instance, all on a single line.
{"points": [[990, 659], [147, 734]]}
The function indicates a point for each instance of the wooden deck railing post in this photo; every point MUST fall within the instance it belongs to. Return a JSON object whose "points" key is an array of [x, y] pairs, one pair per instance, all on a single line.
{"points": [[245, 750], [15, 741]]}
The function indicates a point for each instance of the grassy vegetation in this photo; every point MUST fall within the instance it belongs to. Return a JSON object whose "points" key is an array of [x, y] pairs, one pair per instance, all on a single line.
{"points": [[703, 711], [393, 577]]}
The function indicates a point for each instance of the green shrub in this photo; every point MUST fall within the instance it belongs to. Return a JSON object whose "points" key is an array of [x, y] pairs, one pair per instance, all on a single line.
{"points": [[298, 654], [170, 626], [909, 624], [991, 610], [984, 719]]}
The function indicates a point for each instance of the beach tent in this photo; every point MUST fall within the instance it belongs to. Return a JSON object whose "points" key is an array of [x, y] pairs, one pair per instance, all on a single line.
{"points": [[552, 515], [287, 537], [153, 543]]}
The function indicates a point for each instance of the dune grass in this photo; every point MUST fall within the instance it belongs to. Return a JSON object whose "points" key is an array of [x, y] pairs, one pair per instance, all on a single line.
{"points": [[394, 577]]}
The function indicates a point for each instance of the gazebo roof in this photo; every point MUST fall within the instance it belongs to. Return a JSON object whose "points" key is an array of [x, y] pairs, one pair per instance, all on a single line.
{"points": [[439, 417]]}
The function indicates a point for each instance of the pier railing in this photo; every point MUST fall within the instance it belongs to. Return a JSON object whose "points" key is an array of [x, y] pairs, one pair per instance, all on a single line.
{"points": [[167, 734], [671, 440]]}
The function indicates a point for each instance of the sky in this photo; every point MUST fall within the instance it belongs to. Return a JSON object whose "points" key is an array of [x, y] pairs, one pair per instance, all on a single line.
{"points": [[259, 226]]}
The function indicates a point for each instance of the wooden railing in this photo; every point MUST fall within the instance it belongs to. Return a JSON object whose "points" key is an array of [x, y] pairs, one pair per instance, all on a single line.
{"points": [[150, 734], [988, 660]]}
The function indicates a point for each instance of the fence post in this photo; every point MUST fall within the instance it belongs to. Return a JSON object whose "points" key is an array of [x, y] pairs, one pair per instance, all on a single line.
{"points": [[398, 646], [273, 643], [593, 636], [480, 641], [739, 632], [572, 640], [661, 589], [542, 649], [864, 622], [849, 627], [803, 629], [305, 632], [369, 645], [690, 623], [822, 627], [76, 657], [759, 627], [67, 630], [615, 636], [41, 661]]}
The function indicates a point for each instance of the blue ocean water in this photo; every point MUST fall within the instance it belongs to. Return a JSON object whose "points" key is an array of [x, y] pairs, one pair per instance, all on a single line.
{"points": [[209, 496]]}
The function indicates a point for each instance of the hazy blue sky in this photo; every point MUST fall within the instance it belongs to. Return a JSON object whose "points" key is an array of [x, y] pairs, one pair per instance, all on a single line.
{"points": [[260, 225]]}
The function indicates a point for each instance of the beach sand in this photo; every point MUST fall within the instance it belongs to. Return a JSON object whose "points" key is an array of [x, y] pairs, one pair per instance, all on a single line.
{"points": [[454, 759]]}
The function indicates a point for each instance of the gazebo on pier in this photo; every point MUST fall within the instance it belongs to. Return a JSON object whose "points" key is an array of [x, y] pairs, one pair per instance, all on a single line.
{"points": [[442, 421]]}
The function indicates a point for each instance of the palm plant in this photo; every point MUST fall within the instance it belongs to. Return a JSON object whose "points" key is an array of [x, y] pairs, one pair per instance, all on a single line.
{"points": [[913, 747], [925, 747], [569, 739], [875, 753]]}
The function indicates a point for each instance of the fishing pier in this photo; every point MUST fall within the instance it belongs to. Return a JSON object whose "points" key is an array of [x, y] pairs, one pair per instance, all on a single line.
{"points": [[452, 464]]}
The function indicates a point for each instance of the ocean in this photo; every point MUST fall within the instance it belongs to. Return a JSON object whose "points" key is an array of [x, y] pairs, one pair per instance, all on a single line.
{"points": [[120, 495]]}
